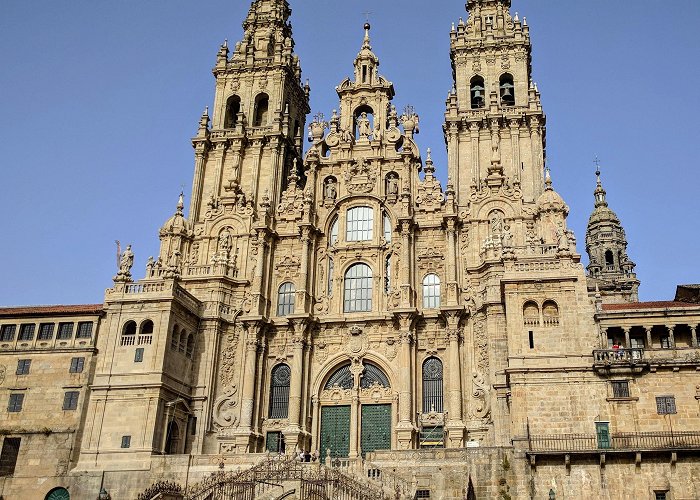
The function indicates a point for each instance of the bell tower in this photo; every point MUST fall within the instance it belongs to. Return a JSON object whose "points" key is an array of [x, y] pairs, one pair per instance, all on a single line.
{"points": [[610, 271], [494, 123], [259, 114]]}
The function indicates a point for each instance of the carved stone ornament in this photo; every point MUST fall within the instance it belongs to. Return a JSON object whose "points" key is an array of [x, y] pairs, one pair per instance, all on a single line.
{"points": [[482, 399], [360, 177], [288, 267], [336, 394], [430, 259], [3, 372], [224, 408], [356, 345], [376, 392], [228, 359], [392, 349], [481, 345]]}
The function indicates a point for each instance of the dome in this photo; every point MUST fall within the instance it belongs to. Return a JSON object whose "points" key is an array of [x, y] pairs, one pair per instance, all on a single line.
{"points": [[177, 224], [550, 201]]}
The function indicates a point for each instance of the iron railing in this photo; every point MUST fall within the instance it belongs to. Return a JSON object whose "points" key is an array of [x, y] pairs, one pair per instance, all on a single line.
{"points": [[637, 441]]}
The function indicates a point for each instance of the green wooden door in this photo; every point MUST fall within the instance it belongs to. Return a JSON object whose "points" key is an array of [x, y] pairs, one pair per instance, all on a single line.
{"points": [[376, 428], [335, 431], [603, 434]]}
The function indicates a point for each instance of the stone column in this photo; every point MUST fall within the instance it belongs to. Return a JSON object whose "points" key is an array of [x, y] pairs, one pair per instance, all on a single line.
{"points": [[244, 435], [220, 152], [405, 280], [315, 423], [451, 278], [455, 426], [258, 147], [197, 184], [647, 330], [257, 286], [453, 155], [671, 338], [474, 134], [694, 336], [354, 423], [293, 431], [301, 302], [405, 428], [627, 337]]}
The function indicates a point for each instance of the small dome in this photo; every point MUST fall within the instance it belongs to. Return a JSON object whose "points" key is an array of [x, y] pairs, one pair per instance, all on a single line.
{"points": [[177, 224], [550, 201], [603, 214]]}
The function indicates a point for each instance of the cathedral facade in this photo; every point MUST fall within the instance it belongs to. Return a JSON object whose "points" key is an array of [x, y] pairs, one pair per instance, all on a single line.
{"points": [[339, 305]]}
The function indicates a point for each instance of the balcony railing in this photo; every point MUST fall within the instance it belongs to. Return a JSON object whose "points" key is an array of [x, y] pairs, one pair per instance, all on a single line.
{"points": [[618, 356], [638, 441]]}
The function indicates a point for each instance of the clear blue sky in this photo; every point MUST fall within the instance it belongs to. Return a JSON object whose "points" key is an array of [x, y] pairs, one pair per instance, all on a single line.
{"points": [[98, 101]]}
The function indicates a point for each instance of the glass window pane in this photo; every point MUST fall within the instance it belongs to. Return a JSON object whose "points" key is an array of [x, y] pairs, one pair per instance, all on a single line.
{"points": [[387, 228], [358, 289], [46, 331], [431, 291], [360, 223], [285, 299], [334, 233]]}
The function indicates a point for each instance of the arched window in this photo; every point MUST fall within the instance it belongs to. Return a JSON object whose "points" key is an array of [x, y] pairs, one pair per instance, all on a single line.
{"points": [[190, 346], [609, 258], [262, 102], [477, 92], [146, 328], [432, 386], [431, 291], [285, 299], [358, 289], [333, 237], [387, 228], [331, 271], [373, 375], [172, 440], [175, 339], [360, 223], [507, 90], [531, 314], [341, 378], [550, 313], [279, 391], [129, 333], [182, 346], [58, 494], [233, 108], [387, 275]]}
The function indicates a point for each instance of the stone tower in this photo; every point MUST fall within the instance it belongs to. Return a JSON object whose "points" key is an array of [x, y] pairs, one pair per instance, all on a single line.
{"points": [[494, 127], [610, 271]]}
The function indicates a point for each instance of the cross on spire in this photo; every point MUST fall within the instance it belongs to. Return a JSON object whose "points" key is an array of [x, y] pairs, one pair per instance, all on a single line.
{"points": [[596, 161], [367, 14]]}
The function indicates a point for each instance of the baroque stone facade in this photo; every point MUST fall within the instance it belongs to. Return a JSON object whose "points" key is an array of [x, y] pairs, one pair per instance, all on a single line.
{"points": [[340, 301]]}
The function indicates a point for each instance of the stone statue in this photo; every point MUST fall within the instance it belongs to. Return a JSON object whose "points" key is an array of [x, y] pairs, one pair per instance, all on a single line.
{"points": [[126, 262], [392, 187], [364, 127], [562, 240], [330, 191], [149, 266], [225, 241], [507, 238]]}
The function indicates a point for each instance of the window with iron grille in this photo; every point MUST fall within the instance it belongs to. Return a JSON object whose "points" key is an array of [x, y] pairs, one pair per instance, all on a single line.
{"points": [[23, 366], [423, 494], [358, 289], [84, 330], [666, 405], [360, 224], [341, 378], [273, 442], [621, 388], [46, 331], [285, 299], [15, 404], [7, 333], [70, 400], [8, 456], [65, 331], [431, 291], [77, 365], [126, 441], [432, 386], [26, 332], [279, 391], [660, 495], [373, 375]]}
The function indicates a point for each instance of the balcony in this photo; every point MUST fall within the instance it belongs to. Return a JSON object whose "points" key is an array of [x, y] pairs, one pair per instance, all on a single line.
{"points": [[639, 359]]}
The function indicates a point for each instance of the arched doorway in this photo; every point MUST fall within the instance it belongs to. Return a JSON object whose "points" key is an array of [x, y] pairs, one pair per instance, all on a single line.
{"points": [[58, 494], [172, 442], [356, 408]]}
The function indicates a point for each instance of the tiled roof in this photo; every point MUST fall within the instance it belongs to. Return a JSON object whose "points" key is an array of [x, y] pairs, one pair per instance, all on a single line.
{"points": [[51, 310], [646, 305]]}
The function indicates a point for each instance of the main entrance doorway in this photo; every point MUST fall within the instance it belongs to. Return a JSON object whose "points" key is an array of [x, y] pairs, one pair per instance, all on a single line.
{"points": [[376, 428], [335, 431]]}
